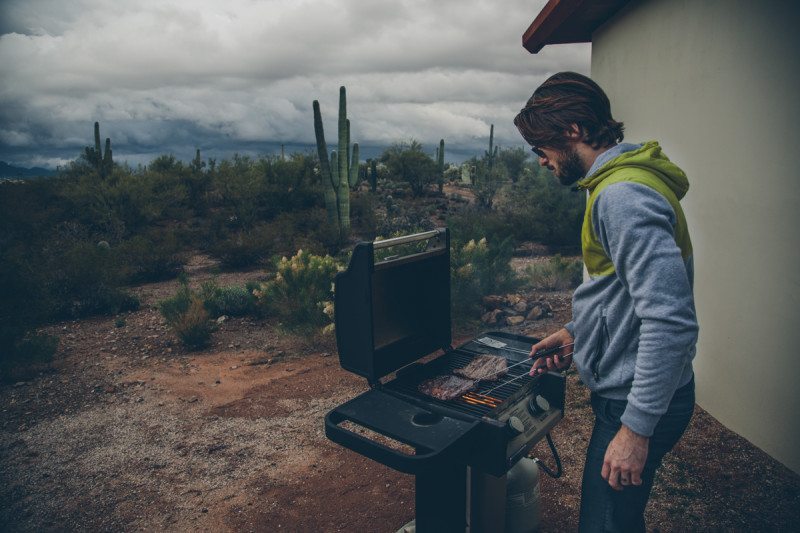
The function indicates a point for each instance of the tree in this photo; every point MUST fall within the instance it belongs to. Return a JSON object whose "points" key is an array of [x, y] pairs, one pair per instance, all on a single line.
{"points": [[514, 160], [408, 162]]}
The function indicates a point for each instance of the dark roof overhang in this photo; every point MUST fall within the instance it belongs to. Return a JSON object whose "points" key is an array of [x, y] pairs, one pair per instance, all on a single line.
{"points": [[569, 21]]}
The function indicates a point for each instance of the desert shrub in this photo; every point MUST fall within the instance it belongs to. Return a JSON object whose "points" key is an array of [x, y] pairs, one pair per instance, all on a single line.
{"points": [[231, 300], [245, 247], [363, 216], [304, 230], [405, 218], [557, 274], [155, 256], [28, 354], [473, 223], [186, 314], [300, 290], [538, 208], [85, 280], [408, 162], [477, 270]]}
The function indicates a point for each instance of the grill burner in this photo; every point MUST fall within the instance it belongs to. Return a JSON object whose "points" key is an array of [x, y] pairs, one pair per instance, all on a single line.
{"points": [[392, 313]]}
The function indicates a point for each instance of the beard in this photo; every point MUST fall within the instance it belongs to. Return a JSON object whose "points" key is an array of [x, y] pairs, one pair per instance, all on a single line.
{"points": [[570, 167]]}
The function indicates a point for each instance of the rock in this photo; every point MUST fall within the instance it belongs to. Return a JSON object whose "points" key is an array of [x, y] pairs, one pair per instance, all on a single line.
{"points": [[536, 313], [234, 367], [515, 320], [493, 318], [521, 306], [493, 301], [222, 319]]}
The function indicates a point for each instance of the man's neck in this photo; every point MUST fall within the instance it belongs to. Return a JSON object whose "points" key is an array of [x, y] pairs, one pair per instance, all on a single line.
{"points": [[588, 155]]}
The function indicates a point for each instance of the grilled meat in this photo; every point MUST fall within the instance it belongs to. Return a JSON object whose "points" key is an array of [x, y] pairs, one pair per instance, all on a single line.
{"points": [[446, 387], [484, 368]]}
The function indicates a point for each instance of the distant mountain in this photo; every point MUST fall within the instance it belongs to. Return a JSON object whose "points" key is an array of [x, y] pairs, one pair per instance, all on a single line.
{"points": [[11, 172]]}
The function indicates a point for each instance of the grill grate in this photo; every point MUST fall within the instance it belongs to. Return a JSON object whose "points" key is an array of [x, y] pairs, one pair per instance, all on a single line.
{"points": [[507, 393]]}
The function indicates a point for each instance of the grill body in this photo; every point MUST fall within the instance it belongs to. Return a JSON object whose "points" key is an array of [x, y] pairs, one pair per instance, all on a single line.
{"points": [[393, 328]]}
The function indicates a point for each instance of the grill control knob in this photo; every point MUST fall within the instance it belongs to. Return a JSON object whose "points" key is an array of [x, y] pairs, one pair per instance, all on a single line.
{"points": [[514, 426], [539, 405]]}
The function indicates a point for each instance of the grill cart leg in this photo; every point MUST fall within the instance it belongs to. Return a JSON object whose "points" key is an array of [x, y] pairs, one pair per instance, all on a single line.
{"points": [[441, 499], [487, 502]]}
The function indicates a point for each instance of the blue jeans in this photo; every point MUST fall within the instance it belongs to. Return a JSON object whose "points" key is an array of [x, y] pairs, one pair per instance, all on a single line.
{"points": [[603, 508]]}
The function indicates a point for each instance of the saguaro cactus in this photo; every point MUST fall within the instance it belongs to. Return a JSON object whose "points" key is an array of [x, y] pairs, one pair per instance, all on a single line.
{"points": [[97, 138], [340, 170], [108, 162], [440, 165], [103, 163], [492, 153]]}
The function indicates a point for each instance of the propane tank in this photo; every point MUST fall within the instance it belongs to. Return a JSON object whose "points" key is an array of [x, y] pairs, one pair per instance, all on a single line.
{"points": [[523, 511]]}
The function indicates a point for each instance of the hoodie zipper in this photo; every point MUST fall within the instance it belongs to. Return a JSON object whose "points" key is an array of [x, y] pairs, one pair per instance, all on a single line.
{"points": [[601, 343]]}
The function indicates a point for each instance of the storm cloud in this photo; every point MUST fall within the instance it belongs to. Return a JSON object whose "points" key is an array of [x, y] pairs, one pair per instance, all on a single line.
{"points": [[171, 76]]}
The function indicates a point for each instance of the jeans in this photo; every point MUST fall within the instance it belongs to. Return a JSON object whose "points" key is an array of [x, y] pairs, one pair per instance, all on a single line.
{"points": [[603, 508]]}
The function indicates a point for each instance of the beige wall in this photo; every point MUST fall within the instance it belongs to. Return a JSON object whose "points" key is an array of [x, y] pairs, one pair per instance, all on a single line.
{"points": [[718, 83]]}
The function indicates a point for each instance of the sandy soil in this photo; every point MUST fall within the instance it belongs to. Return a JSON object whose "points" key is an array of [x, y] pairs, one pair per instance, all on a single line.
{"points": [[128, 431]]}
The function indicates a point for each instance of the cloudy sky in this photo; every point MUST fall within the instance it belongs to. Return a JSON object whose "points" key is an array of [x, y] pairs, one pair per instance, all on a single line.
{"points": [[169, 76]]}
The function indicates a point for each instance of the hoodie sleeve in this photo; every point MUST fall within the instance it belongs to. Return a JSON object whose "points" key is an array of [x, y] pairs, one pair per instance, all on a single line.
{"points": [[635, 225]]}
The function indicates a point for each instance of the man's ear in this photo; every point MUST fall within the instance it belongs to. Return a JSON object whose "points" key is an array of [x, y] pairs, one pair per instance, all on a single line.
{"points": [[574, 133]]}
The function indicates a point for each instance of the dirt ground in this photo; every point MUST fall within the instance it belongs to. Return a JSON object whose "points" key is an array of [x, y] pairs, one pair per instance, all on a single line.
{"points": [[129, 431]]}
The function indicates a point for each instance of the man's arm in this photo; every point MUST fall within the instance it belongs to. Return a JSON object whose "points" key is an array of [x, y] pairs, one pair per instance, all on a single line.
{"points": [[635, 226]]}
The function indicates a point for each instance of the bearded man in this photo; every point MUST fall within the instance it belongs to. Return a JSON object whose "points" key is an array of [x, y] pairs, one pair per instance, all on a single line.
{"points": [[633, 324]]}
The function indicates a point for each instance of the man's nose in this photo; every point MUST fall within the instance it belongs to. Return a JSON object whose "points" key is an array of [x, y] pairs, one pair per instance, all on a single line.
{"points": [[543, 161]]}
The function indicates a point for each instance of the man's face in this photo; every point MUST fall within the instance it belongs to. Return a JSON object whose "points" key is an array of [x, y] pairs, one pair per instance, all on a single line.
{"points": [[565, 164]]}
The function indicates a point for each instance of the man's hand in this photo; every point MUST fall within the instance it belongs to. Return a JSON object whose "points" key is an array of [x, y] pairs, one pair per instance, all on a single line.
{"points": [[624, 460], [557, 361]]}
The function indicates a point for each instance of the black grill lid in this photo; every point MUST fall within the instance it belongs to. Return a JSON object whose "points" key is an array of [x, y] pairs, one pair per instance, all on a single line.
{"points": [[393, 311]]}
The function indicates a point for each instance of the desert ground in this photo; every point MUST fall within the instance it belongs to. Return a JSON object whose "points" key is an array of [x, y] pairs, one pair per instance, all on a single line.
{"points": [[128, 431]]}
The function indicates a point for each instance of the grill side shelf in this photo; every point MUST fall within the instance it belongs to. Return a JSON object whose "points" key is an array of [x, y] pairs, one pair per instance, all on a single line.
{"points": [[434, 437]]}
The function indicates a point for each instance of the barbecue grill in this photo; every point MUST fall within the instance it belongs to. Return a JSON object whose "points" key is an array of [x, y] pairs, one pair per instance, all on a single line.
{"points": [[392, 315]]}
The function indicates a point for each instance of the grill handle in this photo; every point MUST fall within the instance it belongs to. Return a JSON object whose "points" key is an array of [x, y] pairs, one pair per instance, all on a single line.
{"points": [[377, 245], [402, 462]]}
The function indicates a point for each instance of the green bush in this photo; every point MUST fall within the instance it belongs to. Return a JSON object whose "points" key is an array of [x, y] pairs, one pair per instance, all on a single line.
{"points": [[557, 274], [85, 280], [186, 314], [26, 356], [538, 208], [231, 300], [244, 248], [151, 257], [473, 223], [477, 270], [300, 291]]}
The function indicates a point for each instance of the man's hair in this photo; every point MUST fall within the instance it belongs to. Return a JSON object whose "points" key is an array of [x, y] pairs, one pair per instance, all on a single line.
{"points": [[564, 99]]}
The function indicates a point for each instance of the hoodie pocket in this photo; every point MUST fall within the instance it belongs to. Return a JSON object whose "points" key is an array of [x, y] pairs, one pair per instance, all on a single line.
{"points": [[600, 345]]}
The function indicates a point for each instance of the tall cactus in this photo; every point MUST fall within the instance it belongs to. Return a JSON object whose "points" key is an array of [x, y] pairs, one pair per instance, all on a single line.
{"points": [[325, 168], [108, 162], [353, 178], [340, 170], [440, 165], [492, 153], [97, 139], [103, 163]]}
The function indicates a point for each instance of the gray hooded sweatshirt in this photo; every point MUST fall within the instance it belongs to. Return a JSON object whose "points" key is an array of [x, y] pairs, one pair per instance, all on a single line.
{"points": [[634, 323]]}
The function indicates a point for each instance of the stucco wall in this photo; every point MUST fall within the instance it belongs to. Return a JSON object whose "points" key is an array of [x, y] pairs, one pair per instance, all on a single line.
{"points": [[718, 83]]}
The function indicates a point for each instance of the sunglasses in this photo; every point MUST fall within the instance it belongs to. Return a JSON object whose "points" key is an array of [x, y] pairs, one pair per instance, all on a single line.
{"points": [[538, 151]]}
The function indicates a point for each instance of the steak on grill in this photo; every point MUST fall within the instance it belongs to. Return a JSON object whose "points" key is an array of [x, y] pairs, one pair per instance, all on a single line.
{"points": [[484, 368], [446, 387]]}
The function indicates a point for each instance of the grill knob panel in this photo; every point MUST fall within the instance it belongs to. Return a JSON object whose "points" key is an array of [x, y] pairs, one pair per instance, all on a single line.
{"points": [[538, 405], [514, 426]]}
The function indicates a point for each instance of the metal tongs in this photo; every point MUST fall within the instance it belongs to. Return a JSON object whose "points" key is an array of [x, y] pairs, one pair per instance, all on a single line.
{"points": [[484, 397]]}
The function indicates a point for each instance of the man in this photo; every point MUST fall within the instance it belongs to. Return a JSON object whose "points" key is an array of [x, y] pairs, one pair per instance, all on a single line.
{"points": [[634, 326]]}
